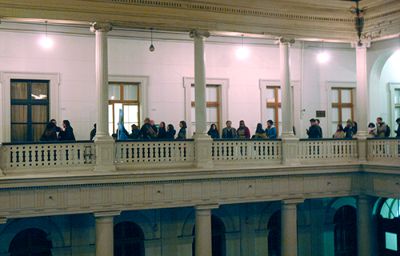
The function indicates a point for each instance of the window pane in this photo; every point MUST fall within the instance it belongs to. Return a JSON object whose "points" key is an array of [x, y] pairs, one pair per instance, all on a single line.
{"points": [[279, 95], [19, 113], [279, 115], [114, 92], [117, 107], [110, 120], [346, 114], [212, 93], [333, 128], [130, 92], [335, 115], [39, 113], [270, 114], [130, 116], [270, 95], [19, 90], [346, 96], [396, 97], [335, 96], [396, 113], [39, 91], [19, 132], [192, 94], [212, 115], [37, 131], [193, 113]]}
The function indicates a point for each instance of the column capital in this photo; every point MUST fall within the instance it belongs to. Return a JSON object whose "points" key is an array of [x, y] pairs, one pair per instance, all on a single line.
{"points": [[206, 206], [199, 33], [107, 214], [292, 201], [101, 26], [366, 43], [286, 40]]}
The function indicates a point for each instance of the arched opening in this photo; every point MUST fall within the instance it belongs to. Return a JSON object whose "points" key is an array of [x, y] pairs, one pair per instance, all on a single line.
{"points": [[218, 237], [30, 242], [345, 231], [128, 239], [388, 230], [274, 234]]}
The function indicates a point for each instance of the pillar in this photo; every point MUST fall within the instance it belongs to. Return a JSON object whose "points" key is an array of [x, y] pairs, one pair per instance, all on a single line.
{"points": [[103, 141], [289, 227], [203, 242], [105, 233], [364, 226], [202, 140], [289, 141], [362, 100]]}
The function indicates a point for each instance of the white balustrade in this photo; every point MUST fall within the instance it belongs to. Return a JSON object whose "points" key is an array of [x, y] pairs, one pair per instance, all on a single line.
{"points": [[251, 150], [327, 150], [142, 154], [384, 149], [47, 155]]}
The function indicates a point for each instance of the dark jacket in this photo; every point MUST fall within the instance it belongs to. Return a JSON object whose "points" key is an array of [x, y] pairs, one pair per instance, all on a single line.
{"points": [[147, 132], [67, 134], [181, 134], [349, 132], [170, 135], [162, 133], [229, 133], [314, 132], [398, 131], [213, 134]]}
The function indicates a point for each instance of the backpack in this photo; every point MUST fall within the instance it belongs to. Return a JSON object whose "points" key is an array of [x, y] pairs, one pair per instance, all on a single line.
{"points": [[387, 132]]}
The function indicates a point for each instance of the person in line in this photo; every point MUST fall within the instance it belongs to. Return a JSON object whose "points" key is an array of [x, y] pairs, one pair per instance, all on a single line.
{"points": [[348, 129], [67, 132], [213, 131], [93, 132], [135, 132], [260, 132], [398, 128], [371, 130], [271, 130], [162, 132], [355, 128], [56, 128], [243, 131], [154, 127], [339, 134], [146, 131], [49, 133], [319, 127], [314, 131], [229, 132], [182, 131], [170, 132], [381, 128]]}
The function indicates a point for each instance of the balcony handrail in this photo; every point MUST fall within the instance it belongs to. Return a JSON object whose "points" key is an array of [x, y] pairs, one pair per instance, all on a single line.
{"points": [[45, 142]]}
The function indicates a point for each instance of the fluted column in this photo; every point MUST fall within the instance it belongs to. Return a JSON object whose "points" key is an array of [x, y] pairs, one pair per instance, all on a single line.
{"points": [[203, 242], [105, 233], [362, 100], [289, 141], [104, 142], [202, 140], [364, 226], [289, 227]]}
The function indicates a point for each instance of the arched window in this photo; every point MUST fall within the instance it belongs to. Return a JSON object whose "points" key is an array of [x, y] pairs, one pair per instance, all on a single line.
{"points": [[390, 208], [345, 222], [128, 239], [218, 237], [30, 242], [274, 234], [388, 230]]}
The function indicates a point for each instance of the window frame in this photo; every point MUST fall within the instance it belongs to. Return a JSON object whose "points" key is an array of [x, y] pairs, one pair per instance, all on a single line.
{"points": [[393, 87]]}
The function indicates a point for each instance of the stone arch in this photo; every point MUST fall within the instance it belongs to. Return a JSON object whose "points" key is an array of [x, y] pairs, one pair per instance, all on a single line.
{"points": [[150, 228], [335, 204], [13, 227], [266, 214]]}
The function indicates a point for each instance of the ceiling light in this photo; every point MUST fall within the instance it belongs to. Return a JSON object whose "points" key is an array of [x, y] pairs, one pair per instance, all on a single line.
{"points": [[323, 57], [242, 52], [45, 41]]}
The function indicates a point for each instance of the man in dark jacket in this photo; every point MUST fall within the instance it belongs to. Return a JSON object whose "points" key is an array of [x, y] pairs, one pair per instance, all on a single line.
{"points": [[314, 132], [398, 128]]}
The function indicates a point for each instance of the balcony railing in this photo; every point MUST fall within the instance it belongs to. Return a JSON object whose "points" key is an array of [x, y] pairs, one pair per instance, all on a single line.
{"points": [[171, 154]]}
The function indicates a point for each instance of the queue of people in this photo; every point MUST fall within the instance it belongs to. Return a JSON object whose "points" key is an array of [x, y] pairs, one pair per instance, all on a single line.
{"points": [[54, 133]]}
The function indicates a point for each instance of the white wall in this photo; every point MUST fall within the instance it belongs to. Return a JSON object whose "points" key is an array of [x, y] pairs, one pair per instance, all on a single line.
{"points": [[73, 58]]}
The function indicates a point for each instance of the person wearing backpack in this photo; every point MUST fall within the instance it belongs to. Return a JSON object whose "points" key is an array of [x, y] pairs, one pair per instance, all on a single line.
{"points": [[382, 129]]}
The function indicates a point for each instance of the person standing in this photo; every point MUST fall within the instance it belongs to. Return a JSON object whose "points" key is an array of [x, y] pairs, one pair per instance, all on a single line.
{"points": [[93, 132], [398, 128], [182, 131], [229, 132], [271, 130], [243, 131], [213, 132], [348, 129], [314, 131], [162, 132], [67, 133], [381, 128]]}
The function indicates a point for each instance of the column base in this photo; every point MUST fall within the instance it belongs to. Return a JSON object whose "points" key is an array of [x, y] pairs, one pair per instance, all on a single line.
{"points": [[105, 154], [362, 147], [202, 149], [289, 150]]}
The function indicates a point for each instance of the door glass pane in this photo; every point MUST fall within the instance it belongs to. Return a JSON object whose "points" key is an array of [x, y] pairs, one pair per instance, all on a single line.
{"points": [[346, 114], [130, 92], [39, 113], [19, 113], [39, 91], [114, 92], [346, 96], [19, 132], [130, 116], [19, 90], [335, 96], [212, 93]]}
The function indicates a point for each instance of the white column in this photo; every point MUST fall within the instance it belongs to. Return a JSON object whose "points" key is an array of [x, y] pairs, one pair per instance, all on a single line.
{"points": [[203, 242], [286, 101], [202, 140], [364, 226], [362, 100], [105, 234], [289, 227], [104, 142]]}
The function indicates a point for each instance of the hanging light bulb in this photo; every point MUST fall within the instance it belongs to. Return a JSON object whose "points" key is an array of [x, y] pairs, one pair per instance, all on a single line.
{"points": [[45, 41], [151, 48], [242, 52]]}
